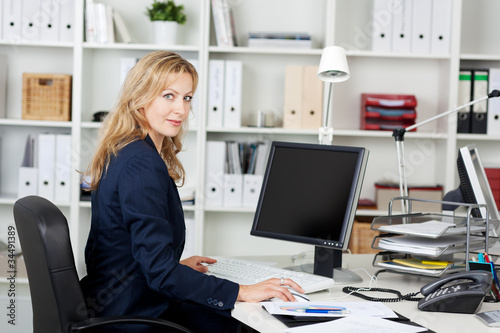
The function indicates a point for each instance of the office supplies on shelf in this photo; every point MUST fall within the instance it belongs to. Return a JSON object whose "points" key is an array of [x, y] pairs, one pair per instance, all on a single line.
{"points": [[382, 28], [303, 99], [66, 20], [464, 97], [401, 27], [233, 76], [3, 84], [46, 165], [214, 178], [479, 110], [62, 176], [299, 40], [292, 104], [421, 26], [12, 15], [249, 272], [224, 23], [493, 117], [215, 93], [387, 111], [441, 26], [28, 173]]}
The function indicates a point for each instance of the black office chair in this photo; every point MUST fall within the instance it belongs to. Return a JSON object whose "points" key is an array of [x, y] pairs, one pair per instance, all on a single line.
{"points": [[56, 297]]}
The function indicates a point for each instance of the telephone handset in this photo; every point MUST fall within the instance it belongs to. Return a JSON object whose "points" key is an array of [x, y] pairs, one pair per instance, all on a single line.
{"points": [[454, 294]]}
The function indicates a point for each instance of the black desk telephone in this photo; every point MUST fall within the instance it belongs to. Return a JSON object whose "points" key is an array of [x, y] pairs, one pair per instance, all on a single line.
{"points": [[454, 294]]}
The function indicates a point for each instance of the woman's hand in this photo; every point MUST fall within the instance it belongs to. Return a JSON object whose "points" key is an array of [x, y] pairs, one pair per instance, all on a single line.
{"points": [[269, 289], [196, 263]]}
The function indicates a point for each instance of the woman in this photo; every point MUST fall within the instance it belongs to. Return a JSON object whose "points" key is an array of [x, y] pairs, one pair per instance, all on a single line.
{"points": [[137, 231]]}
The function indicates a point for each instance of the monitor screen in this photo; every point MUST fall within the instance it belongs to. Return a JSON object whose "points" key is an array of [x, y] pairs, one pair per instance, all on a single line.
{"points": [[473, 181], [310, 194]]}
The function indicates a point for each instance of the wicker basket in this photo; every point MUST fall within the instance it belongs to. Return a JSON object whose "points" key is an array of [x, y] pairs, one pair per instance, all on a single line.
{"points": [[362, 237], [46, 97]]}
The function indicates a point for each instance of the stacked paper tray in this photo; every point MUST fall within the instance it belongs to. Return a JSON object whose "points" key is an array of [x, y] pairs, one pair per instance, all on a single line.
{"points": [[429, 225]]}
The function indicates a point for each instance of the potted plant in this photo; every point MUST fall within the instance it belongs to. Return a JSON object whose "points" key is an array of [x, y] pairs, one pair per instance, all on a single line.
{"points": [[165, 16]]}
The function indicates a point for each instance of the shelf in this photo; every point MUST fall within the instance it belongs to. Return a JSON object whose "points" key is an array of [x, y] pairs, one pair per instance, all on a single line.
{"points": [[39, 44], [478, 137], [265, 50], [336, 132], [35, 123], [484, 57], [141, 47]]}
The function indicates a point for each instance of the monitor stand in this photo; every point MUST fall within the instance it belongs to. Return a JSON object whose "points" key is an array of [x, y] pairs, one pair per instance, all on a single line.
{"points": [[328, 262]]}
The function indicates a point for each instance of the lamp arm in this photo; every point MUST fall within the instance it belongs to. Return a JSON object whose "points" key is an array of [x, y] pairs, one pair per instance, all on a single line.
{"points": [[399, 133]]}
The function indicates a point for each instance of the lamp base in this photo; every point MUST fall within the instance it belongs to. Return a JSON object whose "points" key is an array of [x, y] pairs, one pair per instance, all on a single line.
{"points": [[325, 135]]}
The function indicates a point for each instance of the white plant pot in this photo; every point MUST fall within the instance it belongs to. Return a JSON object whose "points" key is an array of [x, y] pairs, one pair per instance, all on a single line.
{"points": [[165, 32]]}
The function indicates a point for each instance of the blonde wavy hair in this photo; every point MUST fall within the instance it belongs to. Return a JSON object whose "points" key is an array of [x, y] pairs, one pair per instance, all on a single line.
{"points": [[125, 123]]}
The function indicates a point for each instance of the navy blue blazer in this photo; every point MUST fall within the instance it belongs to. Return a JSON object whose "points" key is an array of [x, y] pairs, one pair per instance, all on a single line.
{"points": [[136, 240]]}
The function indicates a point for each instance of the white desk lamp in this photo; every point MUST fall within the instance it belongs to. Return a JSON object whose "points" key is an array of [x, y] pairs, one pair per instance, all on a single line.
{"points": [[399, 133], [332, 68]]}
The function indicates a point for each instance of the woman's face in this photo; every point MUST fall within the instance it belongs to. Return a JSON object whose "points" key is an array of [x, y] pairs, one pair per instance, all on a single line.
{"points": [[168, 110]]}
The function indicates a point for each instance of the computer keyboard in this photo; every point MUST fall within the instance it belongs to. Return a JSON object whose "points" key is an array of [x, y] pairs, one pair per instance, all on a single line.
{"points": [[248, 272]]}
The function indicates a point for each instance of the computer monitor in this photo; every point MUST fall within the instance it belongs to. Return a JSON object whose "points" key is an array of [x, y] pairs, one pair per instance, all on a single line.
{"points": [[309, 195], [474, 187]]}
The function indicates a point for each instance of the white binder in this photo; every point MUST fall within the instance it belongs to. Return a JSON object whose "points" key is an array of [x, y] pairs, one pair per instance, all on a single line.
{"points": [[11, 30], [46, 161], [50, 27], [441, 26], [233, 190], [421, 26], [251, 189], [194, 115], [312, 98], [215, 93], [31, 20], [292, 104], [493, 121], [62, 168], [66, 21], [28, 173], [401, 27], [27, 182], [232, 93], [3, 84], [382, 25], [214, 177]]}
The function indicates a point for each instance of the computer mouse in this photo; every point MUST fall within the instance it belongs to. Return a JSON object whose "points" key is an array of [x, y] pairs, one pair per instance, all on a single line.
{"points": [[298, 297]]}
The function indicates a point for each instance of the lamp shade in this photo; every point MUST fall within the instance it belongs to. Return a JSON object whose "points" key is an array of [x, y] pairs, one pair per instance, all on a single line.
{"points": [[333, 65]]}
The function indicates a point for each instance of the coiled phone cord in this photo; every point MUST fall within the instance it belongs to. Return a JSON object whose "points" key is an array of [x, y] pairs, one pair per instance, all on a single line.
{"points": [[400, 297]]}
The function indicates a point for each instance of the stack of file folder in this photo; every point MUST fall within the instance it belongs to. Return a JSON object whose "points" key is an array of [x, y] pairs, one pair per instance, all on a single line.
{"points": [[387, 112]]}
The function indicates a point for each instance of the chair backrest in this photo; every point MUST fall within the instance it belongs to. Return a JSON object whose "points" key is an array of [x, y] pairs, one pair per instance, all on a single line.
{"points": [[56, 297]]}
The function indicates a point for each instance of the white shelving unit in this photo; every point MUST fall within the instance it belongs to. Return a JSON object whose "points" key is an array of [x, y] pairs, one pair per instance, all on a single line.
{"points": [[431, 151]]}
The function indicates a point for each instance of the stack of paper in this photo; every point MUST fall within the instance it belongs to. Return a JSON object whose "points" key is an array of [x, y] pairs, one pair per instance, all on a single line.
{"points": [[431, 229], [430, 246]]}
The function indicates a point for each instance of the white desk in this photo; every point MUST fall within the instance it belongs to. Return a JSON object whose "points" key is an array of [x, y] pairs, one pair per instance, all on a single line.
{"points": [[253, 315]]}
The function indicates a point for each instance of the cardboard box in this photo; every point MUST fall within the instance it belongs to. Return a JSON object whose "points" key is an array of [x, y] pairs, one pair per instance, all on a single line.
{"points": [[385, 192]]}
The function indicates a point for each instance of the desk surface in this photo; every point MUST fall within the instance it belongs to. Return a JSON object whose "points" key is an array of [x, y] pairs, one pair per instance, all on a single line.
{"points": [[253, 315]]}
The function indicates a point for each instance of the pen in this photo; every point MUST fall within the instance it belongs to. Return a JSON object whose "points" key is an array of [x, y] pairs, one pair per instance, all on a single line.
{"points": [[327, 311]]}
